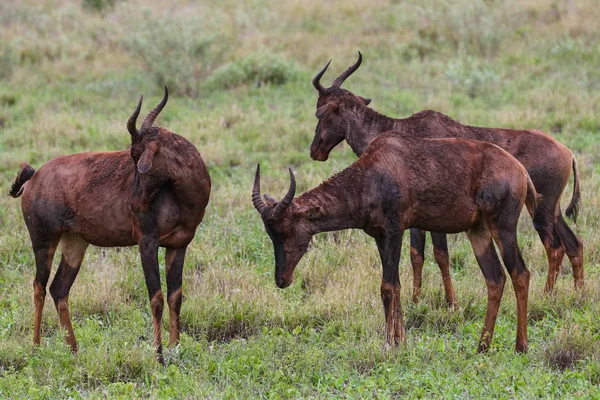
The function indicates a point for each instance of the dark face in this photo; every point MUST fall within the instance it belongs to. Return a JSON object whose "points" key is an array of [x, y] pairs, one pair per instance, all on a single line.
{"points": [[288, 225], [335, 113], [290, 241]]}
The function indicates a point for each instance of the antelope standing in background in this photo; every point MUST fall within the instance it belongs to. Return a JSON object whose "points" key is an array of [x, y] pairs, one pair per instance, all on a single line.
{"points": [[344, 115]]}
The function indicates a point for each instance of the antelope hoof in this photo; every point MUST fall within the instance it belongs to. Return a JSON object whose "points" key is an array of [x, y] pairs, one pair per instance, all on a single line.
{"points": [[521, 348], [483, 347]]}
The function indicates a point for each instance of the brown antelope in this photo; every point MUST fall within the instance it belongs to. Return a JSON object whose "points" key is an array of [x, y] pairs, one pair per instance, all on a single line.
{"points": [[343, 115], [152, 195], [397, 184]]}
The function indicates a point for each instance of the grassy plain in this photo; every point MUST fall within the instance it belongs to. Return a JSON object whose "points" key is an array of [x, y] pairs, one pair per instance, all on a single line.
{"points": [[239, 72]]}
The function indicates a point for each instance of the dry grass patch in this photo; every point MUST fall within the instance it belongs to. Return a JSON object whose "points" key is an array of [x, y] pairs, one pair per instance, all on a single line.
{"points": [[569, 347]]}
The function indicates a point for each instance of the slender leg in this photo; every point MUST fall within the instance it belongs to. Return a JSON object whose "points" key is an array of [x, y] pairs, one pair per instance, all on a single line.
{"points": [[481, 240], [389, 251], [174, 265], [574, 249], [506, 239], [417, 256], [73, 249], [148, 243], [440, 251], [555, 250], [44, 254]]}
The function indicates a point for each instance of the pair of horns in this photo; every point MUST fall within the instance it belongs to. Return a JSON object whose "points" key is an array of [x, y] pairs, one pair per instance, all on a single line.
{"points": [[340, 79], [266, 211], [147, 124]]}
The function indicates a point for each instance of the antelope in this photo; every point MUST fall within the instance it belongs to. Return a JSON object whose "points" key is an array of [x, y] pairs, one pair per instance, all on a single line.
{"points": [[469, 186], [343, 115], [152, 195]]}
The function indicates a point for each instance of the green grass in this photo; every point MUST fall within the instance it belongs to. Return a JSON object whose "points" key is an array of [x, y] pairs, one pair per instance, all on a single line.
{"points": [[71, 74]]}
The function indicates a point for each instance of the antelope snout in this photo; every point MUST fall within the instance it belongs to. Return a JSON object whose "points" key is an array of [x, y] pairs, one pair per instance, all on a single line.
{"points": [[282, 282], [318, 155]]}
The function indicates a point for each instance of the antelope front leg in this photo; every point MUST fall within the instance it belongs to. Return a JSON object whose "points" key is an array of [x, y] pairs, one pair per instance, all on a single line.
{"points": [[174, 265], [389, 251], [148, 243], [442, 258], [417, 258], [394, 322]]}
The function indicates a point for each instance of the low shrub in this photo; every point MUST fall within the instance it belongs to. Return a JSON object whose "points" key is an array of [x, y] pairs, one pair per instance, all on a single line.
{"points": [[179, 53], [471, 76], [99, 5], [257, 69]]}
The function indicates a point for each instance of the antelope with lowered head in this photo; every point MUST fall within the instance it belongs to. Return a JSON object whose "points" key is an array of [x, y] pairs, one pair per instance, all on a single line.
{"points": [[468, 186], [344, 115], [153, 195]]}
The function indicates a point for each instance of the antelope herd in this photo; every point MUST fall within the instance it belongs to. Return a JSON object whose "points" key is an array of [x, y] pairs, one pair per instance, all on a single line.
{"points": [[426, 172]]}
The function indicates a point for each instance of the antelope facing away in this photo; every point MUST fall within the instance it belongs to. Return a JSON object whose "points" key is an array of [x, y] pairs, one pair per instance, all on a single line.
{"points": [[468, 186], [344, 115], [152, 195]]}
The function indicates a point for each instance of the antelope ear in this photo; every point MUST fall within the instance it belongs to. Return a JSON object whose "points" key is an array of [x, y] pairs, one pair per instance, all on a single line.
{"points": [[145, 162], [310, 212], [365, 100], [326, 109], [269, 200]]}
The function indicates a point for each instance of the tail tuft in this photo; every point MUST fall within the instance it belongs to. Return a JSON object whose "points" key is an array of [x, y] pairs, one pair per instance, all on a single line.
{"points": [[573, 208], [23, 176]]}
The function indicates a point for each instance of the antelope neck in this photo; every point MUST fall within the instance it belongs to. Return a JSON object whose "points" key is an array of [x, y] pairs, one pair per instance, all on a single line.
{"points": [[371, 124], [339, 208]]}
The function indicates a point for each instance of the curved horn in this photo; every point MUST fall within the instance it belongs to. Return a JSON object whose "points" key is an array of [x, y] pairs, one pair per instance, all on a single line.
{"points": [[135, 134], [154, 113], [316, 80], [258, 202], [287, 200], [340, 79]]}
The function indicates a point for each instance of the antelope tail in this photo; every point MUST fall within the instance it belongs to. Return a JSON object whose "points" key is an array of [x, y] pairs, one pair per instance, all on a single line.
{"points": [[23, 176], [573, 208]]}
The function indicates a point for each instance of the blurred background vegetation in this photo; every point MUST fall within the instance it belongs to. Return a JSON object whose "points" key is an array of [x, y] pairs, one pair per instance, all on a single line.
{"points": [[239, 72]]}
